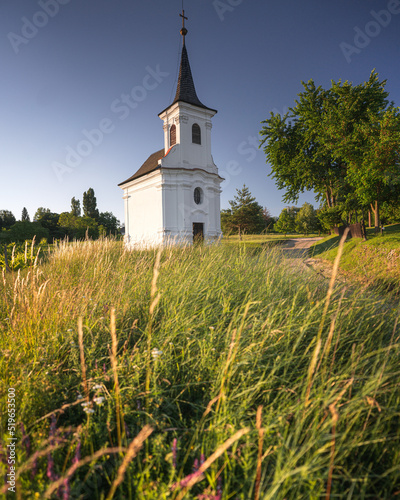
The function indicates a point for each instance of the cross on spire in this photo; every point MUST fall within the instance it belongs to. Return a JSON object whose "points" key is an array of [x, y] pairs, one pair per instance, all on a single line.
{"points": [[184, 31]]}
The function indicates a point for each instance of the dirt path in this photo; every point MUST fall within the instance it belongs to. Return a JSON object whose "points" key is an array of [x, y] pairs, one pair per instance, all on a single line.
{"points": [[297, 248], [297, 251]]}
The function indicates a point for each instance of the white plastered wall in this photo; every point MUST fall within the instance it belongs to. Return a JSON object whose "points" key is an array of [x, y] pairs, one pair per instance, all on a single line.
{"points": [[143, 211]]}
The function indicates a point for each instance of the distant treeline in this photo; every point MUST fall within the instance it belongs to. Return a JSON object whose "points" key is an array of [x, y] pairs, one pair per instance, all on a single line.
{"points": [[50, 225]]}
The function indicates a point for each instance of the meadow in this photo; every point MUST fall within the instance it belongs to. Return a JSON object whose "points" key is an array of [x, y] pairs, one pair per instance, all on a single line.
{"points": [[207, 373], [374, 263]]}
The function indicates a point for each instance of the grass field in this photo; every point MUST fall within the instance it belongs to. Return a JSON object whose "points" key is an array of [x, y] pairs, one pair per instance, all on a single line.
{"points": [[196, 373], [374, 262]]}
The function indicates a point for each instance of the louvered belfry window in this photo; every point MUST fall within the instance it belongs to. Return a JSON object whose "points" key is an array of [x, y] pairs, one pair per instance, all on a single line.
{"points": [[172, 136], [196, 134]]}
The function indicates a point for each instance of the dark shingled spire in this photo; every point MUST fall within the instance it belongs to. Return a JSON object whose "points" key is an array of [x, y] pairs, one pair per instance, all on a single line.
{"points": [[186, 90]]}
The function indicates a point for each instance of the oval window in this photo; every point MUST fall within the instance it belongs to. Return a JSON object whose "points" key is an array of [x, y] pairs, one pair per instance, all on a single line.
{"points": [[198, 198]]}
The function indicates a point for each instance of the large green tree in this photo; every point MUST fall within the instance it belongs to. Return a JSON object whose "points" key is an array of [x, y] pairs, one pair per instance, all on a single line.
{"points": [[78, 227], [90, 204], [306, 220], [25, 216], [49, 220], [287, 220], [336, 142], [75, 207], [7, 219], [108, 223], [245, 214], [25, 230]]}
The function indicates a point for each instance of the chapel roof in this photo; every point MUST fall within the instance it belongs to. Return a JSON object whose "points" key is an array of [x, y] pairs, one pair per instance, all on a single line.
{"points": [[148, 166], [185, 90]]}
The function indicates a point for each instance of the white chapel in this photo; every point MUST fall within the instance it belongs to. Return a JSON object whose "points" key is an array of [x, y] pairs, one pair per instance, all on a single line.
{"points": [[174, 197]]}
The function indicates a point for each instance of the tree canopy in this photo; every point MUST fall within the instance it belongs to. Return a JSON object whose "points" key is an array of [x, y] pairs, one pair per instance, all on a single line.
{"points": [[25, 216], [342, 143], [7, 219], [90, 204], [75, 207]]}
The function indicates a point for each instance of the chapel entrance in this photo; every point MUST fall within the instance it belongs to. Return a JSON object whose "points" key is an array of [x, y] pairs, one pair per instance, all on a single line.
{"points": [[198, 232]]}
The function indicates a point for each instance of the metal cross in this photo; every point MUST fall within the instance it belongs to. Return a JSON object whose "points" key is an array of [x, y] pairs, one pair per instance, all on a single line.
{"points": [[183, 18], [184, 31]]}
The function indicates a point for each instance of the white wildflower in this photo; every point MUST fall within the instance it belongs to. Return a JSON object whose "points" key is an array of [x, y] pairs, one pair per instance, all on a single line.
{"points": [[156, 353]]}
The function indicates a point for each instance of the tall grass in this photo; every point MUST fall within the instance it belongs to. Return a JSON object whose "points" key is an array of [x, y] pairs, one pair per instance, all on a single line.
{"points": [[198, 386]]}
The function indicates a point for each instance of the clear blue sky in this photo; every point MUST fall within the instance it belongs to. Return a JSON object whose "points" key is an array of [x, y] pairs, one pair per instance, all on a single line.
{"points": [[68, 74]]}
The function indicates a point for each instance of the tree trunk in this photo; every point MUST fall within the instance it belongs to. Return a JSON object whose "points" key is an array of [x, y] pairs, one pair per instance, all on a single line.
{"points": [[377, 215], [375, 209], [328, 200], [364, 230], [369, 218], [240, 235]]}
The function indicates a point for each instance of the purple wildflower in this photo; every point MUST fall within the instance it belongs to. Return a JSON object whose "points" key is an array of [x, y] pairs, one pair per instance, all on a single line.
{"points": [[174, 447], [25, 440], [34, 469], [50, 468], [196, 465], [186, 480], [77, 456], [128, 434], [219, 488], [53, 428], [202, 459], [66, 490]]}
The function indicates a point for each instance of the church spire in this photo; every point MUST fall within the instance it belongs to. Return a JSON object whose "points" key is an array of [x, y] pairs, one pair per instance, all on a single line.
{"points": [[186, 91]]}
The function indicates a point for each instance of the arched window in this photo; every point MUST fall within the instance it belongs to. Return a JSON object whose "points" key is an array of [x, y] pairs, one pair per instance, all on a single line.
{"points": [[196, 134], [172, 136]]}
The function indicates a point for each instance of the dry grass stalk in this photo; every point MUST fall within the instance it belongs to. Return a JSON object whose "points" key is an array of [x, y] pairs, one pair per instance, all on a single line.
{"points": [[32, 246], [114, 365], [82, 354], [209, 406], [260, 451], [133, 450], [87, 460], [156, 272], [228, 360], [154, 299], [331, 331], [314, 360], [335, 418], [198, 475]]}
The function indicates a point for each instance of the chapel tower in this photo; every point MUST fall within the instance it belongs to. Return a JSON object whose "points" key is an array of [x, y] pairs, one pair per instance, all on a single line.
{"points": [[174, 197]]}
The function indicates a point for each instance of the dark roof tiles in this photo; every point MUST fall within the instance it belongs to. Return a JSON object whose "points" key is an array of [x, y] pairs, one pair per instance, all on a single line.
{"points": [[148, 166]]}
